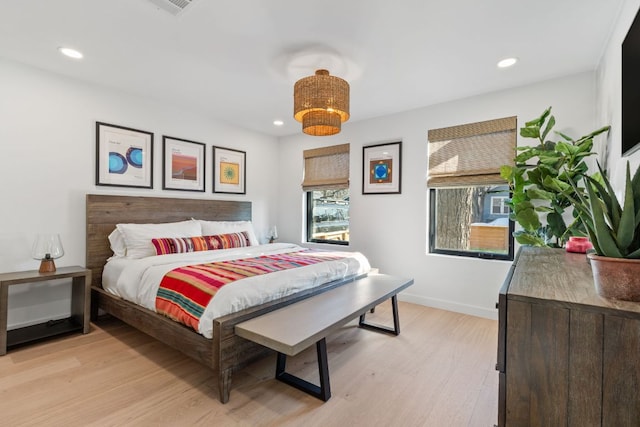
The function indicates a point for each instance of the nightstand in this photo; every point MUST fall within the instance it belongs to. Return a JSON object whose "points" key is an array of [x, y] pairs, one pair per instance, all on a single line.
{"points": [[80, 306]]}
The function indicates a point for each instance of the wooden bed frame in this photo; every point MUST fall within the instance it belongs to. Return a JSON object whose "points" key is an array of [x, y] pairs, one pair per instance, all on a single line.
{"points": [[226, 352]]}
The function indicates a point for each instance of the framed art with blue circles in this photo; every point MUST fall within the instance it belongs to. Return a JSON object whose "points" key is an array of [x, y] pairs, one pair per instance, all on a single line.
{"points": [[124, 156]]}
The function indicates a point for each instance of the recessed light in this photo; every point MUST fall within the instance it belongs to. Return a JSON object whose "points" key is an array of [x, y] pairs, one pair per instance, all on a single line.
{"points": [[507, 62], [71, 53], [278, 122]]}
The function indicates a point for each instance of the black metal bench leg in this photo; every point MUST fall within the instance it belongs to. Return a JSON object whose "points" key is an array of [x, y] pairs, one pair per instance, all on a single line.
{"points": [[323, 370], [379, 328], [323, 392]]}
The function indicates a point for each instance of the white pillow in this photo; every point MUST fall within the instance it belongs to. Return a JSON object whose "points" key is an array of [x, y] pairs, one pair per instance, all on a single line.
{"points": [[212, 228], [117, 243], [138, 236]]}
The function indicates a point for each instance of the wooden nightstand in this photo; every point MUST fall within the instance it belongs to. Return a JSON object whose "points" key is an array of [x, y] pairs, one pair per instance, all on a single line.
{"points": [[80, 306]]}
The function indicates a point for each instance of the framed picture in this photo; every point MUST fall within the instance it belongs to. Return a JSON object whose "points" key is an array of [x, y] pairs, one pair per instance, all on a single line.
{"points": [[183, 164], [382, 168], [229, 172], [124, 156]]}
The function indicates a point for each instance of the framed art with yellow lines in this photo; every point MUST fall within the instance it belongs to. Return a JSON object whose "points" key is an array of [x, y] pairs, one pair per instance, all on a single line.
{"points": [[229, 170]]}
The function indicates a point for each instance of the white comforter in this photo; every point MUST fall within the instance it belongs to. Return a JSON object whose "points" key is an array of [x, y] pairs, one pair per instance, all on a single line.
{"points": [[138, 280]]}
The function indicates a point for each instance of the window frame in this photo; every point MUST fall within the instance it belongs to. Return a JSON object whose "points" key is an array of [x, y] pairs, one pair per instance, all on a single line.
{"points": [[503, 205], [309, 221], [469, 254]]}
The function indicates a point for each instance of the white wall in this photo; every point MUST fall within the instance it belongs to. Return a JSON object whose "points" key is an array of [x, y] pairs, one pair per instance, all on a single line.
{"points": [[392, 229], [47, 165], [609, 96]]}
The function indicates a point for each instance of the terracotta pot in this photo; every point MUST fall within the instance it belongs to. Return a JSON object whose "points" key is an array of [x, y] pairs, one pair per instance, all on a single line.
{"points": [[617, 278]]}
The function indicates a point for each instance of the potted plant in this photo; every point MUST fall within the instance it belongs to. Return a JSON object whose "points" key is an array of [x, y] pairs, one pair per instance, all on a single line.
{"points": [[541, 191], [614, 230]]}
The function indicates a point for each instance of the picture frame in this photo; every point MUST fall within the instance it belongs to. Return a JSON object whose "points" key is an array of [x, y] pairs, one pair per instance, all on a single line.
{"points": [[229, 170], [382, 168], [124, 156], [183, 165]]}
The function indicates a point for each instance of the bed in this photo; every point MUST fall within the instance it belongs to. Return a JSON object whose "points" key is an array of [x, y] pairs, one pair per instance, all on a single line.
{"points": [[225, 352]]}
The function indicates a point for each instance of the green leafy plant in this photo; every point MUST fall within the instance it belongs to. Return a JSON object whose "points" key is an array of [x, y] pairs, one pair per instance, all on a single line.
{"points": [[614, 229], [540, 183]]}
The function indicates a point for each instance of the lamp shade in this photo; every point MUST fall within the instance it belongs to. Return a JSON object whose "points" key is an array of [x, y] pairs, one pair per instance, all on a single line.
{"points": [[273, 234], [321, 103], [47, 246]]}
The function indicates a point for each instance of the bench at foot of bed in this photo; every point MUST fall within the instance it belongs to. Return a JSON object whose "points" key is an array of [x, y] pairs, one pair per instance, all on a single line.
{"points": [[291, 329]]}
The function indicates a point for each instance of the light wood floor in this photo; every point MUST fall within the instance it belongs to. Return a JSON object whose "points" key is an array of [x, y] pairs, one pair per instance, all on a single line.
{"points": [[440, 371]]}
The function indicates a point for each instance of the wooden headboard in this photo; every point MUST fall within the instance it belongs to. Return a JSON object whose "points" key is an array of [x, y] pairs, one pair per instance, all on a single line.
{"points": [[104, 212]]}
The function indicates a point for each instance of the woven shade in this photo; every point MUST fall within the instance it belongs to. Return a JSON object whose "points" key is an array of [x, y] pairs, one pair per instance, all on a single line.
{"points": [[326, 168], [321, 103], [471, 154]]}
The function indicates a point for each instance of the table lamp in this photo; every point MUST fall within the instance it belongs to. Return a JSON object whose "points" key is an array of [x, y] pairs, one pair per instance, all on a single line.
{"points": [[46, 248], [273, 234]]}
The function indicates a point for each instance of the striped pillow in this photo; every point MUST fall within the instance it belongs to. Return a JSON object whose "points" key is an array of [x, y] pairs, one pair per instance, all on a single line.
{"points": [[226, 241], [178, 245]]}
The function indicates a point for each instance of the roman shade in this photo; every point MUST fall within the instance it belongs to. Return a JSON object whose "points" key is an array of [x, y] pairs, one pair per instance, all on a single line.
{"points": [[326, 168], [471, 154]]}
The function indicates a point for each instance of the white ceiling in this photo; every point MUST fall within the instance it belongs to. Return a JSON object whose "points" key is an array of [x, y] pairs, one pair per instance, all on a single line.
{"points": [[237, 60]]}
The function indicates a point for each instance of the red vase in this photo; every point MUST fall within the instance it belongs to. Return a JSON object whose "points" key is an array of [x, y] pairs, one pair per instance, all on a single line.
{"points": [[578, 244]]}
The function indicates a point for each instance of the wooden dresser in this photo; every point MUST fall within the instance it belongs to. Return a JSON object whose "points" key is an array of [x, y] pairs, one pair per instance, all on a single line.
{"points": [[566, 357]]}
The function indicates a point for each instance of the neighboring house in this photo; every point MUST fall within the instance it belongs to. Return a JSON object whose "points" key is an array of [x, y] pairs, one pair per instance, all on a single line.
{"points": [[495, 206], [491, 233]]}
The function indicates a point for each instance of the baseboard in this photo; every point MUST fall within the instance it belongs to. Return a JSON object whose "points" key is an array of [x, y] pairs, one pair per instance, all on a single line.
{"points": [[473, 310]]}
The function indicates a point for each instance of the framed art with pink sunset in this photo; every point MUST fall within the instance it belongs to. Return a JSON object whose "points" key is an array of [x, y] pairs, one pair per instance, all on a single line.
{"points": [[183, 164]]}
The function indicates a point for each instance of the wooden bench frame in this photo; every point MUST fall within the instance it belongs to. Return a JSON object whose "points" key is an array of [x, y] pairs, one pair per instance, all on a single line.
{"points": [[357, 297]]}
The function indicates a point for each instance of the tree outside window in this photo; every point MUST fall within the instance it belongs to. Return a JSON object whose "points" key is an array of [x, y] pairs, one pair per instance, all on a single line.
{"points": [[463, 222]]}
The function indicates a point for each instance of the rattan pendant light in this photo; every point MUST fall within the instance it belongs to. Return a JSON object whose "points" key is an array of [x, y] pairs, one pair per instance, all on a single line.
{"points": [[321, 103]]}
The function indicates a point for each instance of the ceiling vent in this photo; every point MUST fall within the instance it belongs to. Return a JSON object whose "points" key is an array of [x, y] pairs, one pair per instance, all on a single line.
{"points": [[174, 7]]}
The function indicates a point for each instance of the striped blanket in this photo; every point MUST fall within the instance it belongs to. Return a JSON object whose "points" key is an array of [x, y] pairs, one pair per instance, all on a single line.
{"points": [[185, 292]]}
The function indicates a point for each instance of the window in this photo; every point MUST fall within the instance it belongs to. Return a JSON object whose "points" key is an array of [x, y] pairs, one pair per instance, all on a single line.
{"points": [[326, 183], [462, 223], [468, 215], [328, 216], [498, 205]]}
